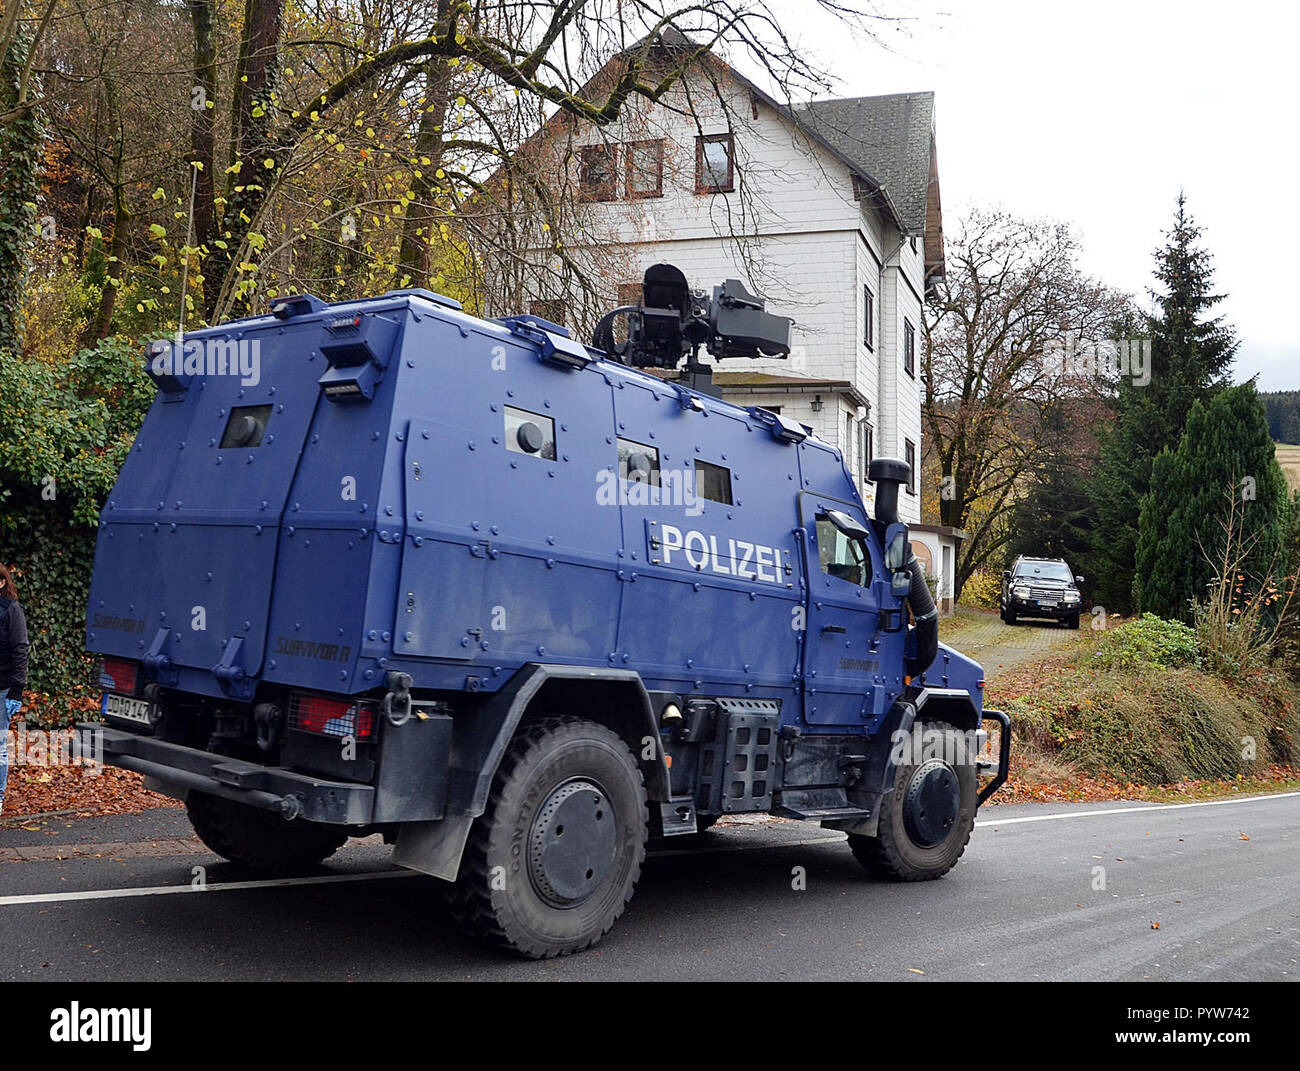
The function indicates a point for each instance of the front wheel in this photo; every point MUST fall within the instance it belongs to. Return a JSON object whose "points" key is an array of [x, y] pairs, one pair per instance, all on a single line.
{"points": [[1072, 621], [926, 821], [553, 860]]}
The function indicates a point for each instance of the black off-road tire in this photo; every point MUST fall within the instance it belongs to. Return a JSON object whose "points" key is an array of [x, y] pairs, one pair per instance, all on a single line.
{"points": [[1009, 617], [1072, 621], [259, 839], [501, 894], [892, 853]]}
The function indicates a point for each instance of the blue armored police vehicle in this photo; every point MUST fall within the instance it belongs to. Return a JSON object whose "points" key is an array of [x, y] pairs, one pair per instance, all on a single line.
{"points": [[521, 605]]}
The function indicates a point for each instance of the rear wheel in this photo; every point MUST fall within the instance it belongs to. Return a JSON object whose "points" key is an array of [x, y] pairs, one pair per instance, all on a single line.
{"points": [[926, 821], [552, 862], [259, 839]]}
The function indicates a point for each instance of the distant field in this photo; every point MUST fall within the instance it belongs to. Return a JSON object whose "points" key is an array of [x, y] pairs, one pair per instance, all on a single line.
{"points": [[1289, 458]]}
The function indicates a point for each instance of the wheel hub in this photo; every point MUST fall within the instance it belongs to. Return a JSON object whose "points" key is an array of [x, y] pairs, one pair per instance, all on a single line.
{"points": [[931, 804], [572, 843]]}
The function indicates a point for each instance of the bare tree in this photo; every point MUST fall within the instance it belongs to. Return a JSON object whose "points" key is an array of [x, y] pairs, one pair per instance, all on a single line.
{"points": [[1002, 340]]}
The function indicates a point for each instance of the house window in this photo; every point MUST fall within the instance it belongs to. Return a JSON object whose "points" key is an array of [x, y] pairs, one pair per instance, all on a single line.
{"points": [[868, 318], [645, 169], [550, 309], [598, 173], [848, 441], [715, 165], [909, 348], [909, 455], [865, 445]]}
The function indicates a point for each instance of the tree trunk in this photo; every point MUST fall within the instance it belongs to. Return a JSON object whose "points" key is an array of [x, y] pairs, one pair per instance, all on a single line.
{"points": [[254, 83], [21, 144], [202, 129], [418, 230], [103, 321]]}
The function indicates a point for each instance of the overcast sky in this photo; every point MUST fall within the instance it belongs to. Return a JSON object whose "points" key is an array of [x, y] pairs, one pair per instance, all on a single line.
{"points": [[1098, 113]]}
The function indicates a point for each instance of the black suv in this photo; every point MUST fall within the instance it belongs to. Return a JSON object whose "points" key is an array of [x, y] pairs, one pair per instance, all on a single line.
{"points": [[1041, 587]]}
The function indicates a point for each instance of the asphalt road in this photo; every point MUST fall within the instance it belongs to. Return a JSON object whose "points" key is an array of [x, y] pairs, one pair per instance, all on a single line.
{"points": [[1222, 880]]}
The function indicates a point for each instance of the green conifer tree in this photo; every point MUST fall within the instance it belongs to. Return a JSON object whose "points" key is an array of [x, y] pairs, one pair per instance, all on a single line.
{"points": [[1225, 454], [1190, 355]]}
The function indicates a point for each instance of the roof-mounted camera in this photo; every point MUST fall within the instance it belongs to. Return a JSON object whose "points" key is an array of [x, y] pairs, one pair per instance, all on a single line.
{"points": [[673, 321]]}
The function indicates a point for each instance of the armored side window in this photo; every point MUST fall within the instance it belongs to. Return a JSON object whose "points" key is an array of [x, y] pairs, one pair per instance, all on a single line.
{"points": [[530, 433], [638, 463], [713, 482], [840, 556], [245, 427]]}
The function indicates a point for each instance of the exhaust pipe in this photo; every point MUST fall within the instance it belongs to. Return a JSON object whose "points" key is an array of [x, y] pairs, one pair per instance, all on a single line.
{"points": [[888, 474]]}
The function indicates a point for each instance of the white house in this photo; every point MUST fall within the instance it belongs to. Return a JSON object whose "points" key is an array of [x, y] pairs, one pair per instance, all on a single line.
{"points": [[829, 210]]}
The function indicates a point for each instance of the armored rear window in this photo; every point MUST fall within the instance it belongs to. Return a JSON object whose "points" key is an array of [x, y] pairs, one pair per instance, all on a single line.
{"points": [[245, 427], [530, 433]]}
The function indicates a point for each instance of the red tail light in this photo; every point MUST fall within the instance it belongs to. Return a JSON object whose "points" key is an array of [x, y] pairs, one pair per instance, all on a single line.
{"points": [[117, 675], [330, 717]]}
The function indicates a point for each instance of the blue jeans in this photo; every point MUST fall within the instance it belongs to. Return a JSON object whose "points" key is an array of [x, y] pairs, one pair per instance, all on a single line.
{"points": [[4, 737], [8, 708]]}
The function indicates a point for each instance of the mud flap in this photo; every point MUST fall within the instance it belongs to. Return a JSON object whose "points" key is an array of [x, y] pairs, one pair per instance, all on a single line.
{"points": [[433, 848]]}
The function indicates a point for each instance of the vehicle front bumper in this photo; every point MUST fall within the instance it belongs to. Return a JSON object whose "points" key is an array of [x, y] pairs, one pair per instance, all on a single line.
{"points": [[1030, 608]]}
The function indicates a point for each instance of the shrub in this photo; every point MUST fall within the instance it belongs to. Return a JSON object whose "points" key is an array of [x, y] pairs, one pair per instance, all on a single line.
{"points": [[982, 590], [1148, 642], [1240, 623]]}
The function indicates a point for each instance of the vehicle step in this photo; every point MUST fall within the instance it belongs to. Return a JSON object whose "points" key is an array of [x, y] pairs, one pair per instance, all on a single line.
{"points": [[820, 813]]}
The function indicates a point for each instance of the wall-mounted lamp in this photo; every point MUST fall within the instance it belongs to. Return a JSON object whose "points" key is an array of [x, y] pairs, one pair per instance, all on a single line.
{"points": [[817, 403]]}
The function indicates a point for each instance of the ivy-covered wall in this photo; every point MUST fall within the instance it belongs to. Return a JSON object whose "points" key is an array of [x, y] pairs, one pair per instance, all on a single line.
{"points": [[65, 428]]}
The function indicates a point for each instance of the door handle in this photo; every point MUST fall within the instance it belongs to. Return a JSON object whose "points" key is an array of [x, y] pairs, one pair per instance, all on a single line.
{"points": [[835, 628]]}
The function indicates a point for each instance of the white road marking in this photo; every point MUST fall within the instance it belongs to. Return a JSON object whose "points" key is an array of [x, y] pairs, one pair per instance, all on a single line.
{"points": [[1132, 810], [215, 886], [337, 879]]}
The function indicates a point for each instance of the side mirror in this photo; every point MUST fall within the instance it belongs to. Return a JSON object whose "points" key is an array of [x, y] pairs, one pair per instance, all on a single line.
{"points": [[846, 524], [897, 548], [1006, 574], [898, 553], [1078, 580]]}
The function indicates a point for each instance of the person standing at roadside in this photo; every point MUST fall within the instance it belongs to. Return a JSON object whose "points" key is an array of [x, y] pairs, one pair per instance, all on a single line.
{"points": [[13, 666]]}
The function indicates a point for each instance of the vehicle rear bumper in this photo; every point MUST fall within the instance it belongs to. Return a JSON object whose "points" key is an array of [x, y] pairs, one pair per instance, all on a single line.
{"points": [[271, 788]]}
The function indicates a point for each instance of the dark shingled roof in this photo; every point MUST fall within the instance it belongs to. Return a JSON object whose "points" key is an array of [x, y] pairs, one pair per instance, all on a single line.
{"points": [[887, 138]]}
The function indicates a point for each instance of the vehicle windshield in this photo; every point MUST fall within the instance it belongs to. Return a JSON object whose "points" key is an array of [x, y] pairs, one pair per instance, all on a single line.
{"points": [[1044, 571]]}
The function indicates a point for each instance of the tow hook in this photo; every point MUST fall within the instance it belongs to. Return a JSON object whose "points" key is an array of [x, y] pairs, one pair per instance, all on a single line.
{"points": [[397, 701]]}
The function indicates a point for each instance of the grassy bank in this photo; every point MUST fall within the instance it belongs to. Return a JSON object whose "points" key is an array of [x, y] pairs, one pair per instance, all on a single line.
{"points": [[1131, 711]]}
